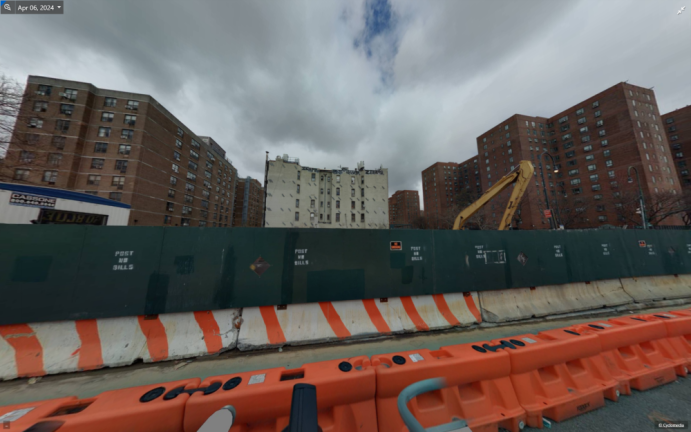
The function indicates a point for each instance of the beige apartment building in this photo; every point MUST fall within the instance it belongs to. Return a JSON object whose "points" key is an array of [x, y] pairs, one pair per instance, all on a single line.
{"points": [[304, 197]]}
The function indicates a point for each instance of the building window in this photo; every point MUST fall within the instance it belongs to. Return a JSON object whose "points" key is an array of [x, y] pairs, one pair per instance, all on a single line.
{"points": [[297, 203], [124, 149], [97, 163], [181, 133], [176, 156], [606, 153], [176, 168], [338, 217], [103, 132], [568, 145], [608, 163], [26, 156], [573, 172], [597, 197], [592, 167], [178, 143], [352, 192], [130, 119], [191, 165], [670, 120], [674, 137], [171, 193], [352, 217], [118, 181], [116, 196], [581, 121], [575, 181], [21, 174], [352, 205], [602, 218], [54, 159], [601, 133], [362, 217], [298, 175], [44, 90], [100, 147], [594, 177], [362, 207], [338, 204], [121, 165], [186, 210], [127, 134], [173, 180], [585, 138], [191, 176], [576, 191], [362, 193], [110, 102], [580, 111], [59, 142], [190, 199], [604, 143], [599, 123], [40, 106], [107, 116], [93, 180], [50, 176], [194, 154]]}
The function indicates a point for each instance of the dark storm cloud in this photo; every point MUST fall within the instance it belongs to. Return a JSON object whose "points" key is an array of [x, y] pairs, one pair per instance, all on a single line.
{"points": [[398, 83]]}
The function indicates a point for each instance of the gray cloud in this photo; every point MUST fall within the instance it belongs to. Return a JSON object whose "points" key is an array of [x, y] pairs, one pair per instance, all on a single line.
{"points": [[404, 84]]}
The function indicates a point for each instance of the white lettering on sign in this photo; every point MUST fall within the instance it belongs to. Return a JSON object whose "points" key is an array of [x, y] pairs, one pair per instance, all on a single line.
{"points": [[605, 249], [688, 248], [416, 253], [300, 257], [123, 260], [651, 251], [558, 251]]}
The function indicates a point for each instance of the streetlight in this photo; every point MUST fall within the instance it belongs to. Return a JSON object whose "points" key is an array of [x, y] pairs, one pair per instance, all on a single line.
{"points": [[640, 195], [552, 221]]}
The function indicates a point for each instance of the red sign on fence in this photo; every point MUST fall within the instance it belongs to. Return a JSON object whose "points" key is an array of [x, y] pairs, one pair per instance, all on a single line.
{"points": [[548, 213]]}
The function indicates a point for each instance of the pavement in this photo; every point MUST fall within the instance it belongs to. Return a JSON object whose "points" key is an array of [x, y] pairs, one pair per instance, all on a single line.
{"points": [[638, 412]]}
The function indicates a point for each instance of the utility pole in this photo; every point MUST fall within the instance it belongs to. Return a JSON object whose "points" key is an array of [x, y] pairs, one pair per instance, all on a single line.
{"points": [[266, 185]]}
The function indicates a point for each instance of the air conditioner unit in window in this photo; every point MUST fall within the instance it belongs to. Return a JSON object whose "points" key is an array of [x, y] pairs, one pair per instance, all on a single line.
{"points": [[67, 112], [62, 94], [40, 93]]}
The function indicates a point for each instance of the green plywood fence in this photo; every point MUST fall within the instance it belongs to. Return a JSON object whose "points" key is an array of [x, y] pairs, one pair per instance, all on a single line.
{"points": [[50, 273]]}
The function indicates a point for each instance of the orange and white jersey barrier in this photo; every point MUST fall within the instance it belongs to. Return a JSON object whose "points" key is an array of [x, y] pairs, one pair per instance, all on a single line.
{"points": [[268, 326]]}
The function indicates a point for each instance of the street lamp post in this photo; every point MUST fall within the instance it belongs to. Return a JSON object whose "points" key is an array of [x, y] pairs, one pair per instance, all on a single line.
{"points": [[552, 221], [640, 195]]}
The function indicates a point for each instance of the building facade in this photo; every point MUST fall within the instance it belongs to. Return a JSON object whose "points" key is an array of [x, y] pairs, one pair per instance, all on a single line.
{"points": [[593, 144], [303, 197], [678, 131], [249, 203], [448, 186], [404, 207], [123, 146]]}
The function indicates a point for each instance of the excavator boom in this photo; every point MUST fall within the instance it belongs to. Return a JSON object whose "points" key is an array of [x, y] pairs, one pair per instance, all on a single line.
{"points": [[520, 176]]}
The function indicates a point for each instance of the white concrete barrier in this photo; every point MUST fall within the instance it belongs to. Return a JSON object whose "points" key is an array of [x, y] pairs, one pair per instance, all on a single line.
{"points": [[651, 288], [525, 303], [38, 349], [296, 324]]}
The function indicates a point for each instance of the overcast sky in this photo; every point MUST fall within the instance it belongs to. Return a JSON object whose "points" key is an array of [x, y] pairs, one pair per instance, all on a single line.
{"points": [[403, 84]]}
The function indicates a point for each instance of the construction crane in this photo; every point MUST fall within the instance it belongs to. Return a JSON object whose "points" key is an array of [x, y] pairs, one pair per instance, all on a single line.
{"points": [[520, 176]]}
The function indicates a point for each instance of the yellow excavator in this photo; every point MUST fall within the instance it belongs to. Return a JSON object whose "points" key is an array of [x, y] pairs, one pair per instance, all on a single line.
{"points": [[521, 176]]}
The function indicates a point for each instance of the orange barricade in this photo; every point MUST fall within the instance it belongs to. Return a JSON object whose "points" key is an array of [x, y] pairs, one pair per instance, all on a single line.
{"points": [[345, 397], [479, 389], [133, 409], [552, 377], [678, 326], [22, 416], [635, 351]]}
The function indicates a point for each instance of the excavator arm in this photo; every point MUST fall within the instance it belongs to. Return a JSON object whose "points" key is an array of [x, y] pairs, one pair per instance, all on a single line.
{"points": [[521, 176]]}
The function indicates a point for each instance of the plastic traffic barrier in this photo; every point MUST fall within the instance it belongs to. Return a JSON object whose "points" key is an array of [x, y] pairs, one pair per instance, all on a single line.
{"points": [[134, 409], [262, 399], [635, 351], [22, 416], [478, 390], [551, 376], [678, 327]]}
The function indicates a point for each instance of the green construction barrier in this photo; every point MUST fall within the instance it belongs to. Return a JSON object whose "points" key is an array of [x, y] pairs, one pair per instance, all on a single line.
{"points": [[51, 273]]}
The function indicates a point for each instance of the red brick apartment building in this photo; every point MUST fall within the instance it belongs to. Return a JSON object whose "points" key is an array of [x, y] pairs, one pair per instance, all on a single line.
{"points": [[249, 203], [404, 207], [593, 143], [443, 183], [122, 146], [678, 129]]}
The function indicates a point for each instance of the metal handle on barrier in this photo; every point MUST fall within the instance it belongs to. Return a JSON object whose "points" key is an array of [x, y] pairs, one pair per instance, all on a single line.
{"points": [[417, 389], [220, 421]]}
